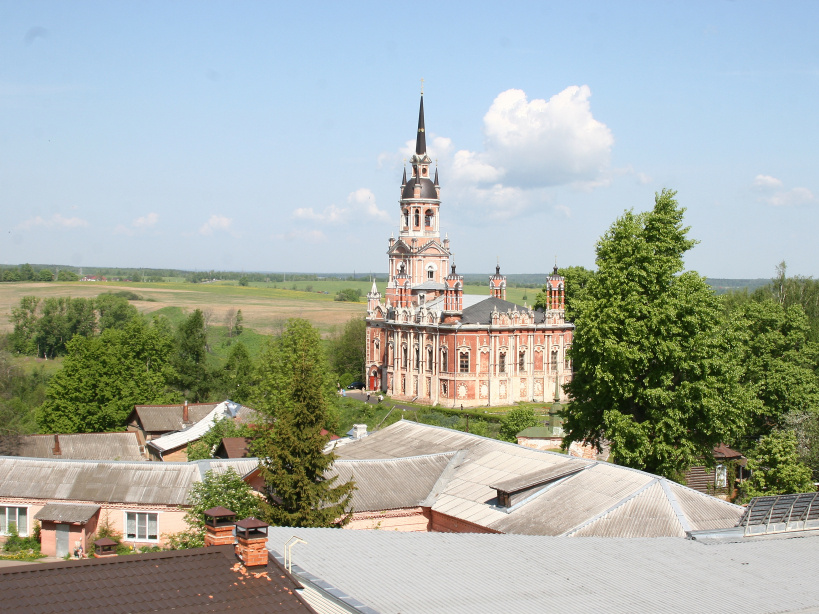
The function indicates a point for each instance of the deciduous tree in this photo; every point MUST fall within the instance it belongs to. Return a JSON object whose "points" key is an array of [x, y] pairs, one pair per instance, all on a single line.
{"points": [[104, 377], [295, 396], [653, 373], [775, 468]]}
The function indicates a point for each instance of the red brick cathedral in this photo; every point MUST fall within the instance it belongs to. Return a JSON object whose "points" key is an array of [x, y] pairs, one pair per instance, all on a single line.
{"points": [[429, 342]]}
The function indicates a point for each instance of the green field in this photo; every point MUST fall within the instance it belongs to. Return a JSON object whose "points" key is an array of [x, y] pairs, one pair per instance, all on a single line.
{"points": [[265, 306]]}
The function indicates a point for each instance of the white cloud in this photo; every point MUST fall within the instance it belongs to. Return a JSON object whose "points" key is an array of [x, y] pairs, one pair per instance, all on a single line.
{"points": [[773, 192], [217, 223], [55, 221], [138, 225], [361, 205], [766, 182], [563, 210], [539, 143]]}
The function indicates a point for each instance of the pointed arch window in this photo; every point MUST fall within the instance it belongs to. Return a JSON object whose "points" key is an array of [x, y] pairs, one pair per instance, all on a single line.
{"points": [[406, 218], [463, 362], [428, 218], [502, 362], [444, 361], [417, 218], [429, 359]]}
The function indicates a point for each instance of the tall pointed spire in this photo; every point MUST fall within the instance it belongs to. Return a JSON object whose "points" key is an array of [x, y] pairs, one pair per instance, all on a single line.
{"points": [[404, 180], [421, 141], [436, 176]]}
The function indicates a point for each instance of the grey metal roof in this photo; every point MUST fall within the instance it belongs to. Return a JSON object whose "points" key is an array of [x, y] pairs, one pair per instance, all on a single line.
{"points": [[108, 481], [600, 499], [83, 446], [67, 512], [481, 313], [427, 189], [451, 573], [387, 484], [165, 418], [430, 285]]}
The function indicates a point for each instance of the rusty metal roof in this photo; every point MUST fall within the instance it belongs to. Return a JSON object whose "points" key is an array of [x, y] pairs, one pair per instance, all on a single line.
{"points": [[167, 418], [182, 581]]}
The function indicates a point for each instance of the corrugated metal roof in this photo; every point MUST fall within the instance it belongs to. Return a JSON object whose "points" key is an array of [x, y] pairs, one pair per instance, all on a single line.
{"points": [[391, 483], [166, 418], [450, 573], [560, 506], [83, 446], [67, 512], [108, 481]]}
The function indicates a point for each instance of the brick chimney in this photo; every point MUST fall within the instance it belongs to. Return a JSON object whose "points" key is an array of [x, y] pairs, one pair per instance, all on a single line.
{"points": [[219, 523], [185, 416], [252, 546], [56, 451]]}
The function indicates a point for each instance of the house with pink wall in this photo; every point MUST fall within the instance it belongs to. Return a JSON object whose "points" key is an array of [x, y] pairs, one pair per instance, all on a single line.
{"points": [[71, 499]]}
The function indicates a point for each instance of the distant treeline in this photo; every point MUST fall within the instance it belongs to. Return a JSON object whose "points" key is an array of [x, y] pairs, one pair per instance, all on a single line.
{"points": [[41, 272]]}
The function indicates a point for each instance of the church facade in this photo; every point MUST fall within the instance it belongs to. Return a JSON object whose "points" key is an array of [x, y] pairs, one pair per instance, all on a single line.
{"points": [[429, 342]]}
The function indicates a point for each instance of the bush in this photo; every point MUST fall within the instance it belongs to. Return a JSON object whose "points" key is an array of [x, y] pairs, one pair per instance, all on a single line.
{"points": [[352, 295]]}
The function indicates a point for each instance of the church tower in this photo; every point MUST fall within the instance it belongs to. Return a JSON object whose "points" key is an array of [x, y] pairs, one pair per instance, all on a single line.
{"points": [[418, 258]]}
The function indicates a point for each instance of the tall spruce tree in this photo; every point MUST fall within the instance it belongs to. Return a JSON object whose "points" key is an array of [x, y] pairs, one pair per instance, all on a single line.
{"points": [[295, 395], [654, 374]]}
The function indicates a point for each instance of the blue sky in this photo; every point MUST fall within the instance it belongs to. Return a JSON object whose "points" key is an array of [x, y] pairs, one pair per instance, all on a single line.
{"points": [[270, 135]]}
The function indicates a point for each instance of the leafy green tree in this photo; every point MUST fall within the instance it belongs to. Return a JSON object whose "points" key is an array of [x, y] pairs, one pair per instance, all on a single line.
{"points": [[60, 320], [24, 317], [295, 395], [20, 394], [352, 295], [193, 379], [779, 362], [104, 377], [114, 311], [11, 275], [775, 468], [238, 376], [515, 421], [26, 272], [347, 351], [45, 275], [226, 489], [653, 373], [66, 275], [244, 280]]}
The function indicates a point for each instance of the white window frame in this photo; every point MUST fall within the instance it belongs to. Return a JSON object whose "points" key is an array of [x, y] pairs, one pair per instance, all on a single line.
{"points": [[5, 516], [721, 476], [137, 514]]}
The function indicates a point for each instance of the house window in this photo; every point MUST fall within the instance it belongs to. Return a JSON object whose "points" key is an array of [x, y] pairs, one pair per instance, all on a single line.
{"points": [[406, 218], [11, 517], [430, 274], [721, 476], [429, 359], [522, 361], [444, 362], [463, 359], [444, 389], [428, 218], [554, 360], [141, 526], [417, 218], [404, 357], [417, 358], [502, 363], [567, 362]]}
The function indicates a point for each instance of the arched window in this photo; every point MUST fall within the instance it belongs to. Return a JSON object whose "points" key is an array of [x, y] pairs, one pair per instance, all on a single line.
{"points": [[417, 358], [429, 359], [444, 362], [403, 356], [502, 362], [554, 360], [406, 218], [522, 361], [417, 218], [428, 218]]}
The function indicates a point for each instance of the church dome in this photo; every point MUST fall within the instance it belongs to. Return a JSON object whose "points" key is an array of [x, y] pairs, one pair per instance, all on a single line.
{"points": [[427, 189]]}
